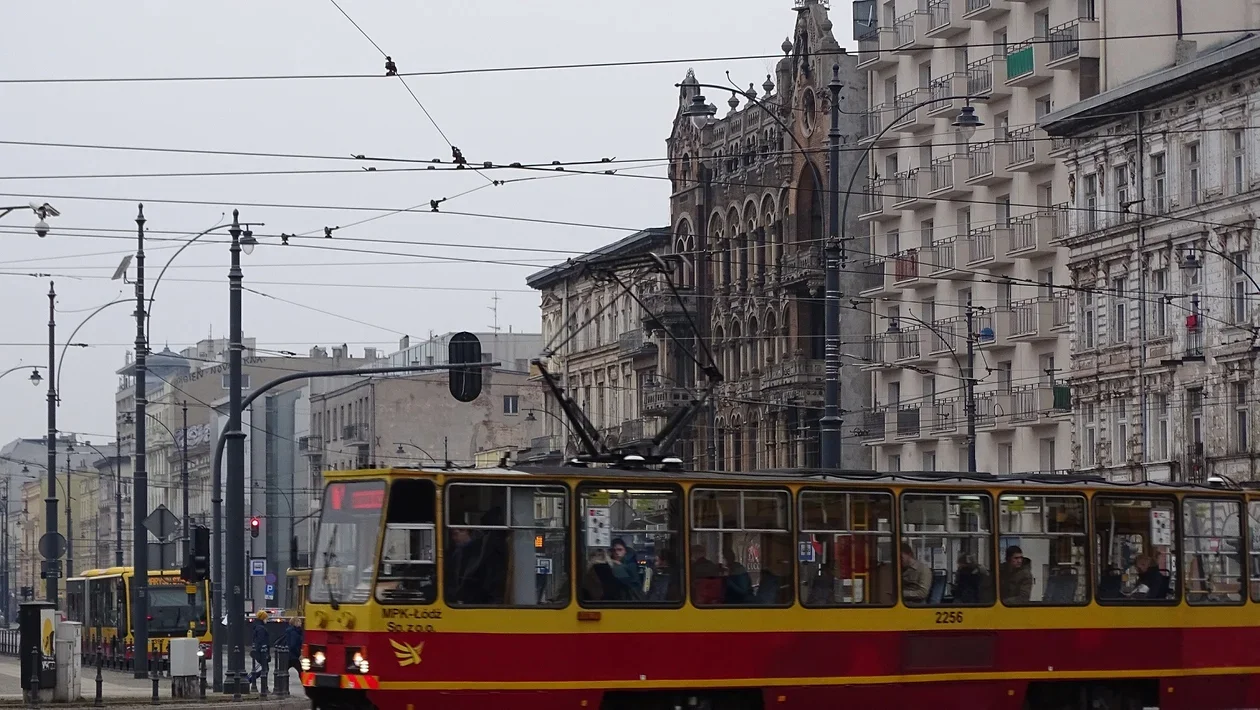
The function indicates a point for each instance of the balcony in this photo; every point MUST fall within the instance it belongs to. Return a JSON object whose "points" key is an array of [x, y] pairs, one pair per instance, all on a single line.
{"points": [[910, 188], [634, 431], [1026, 63], [909, 113], [875, 49], [311, 445], [989, 246], [874, 120], [879, 278], [940, 91], [1033, 320], [877, 349], [1030, 150], [1036, 404], [993, 410], [662, 309], [988, 163], [908, 425], [1062, 311], [912, 29], [877, 201], [634, 344], [907, 270], [943, 416], [1071, 42], [874, 426], [944, 256], [794, 373], [913, 344], [993, 330], [802, 266], [949, 176], [354, 435], [947, 18], [545, 444], [1033, 235], [980, 77], [981, 10], [948, 336], [661, 400]]}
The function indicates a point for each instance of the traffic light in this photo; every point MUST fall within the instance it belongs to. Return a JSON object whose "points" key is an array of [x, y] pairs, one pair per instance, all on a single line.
{"points": [[255, 524], [198, 566]]}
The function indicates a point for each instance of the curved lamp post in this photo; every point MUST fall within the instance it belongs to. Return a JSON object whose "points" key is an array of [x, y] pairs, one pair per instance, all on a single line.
{"points": [[35, 377], [401, 451], [247, 242]]}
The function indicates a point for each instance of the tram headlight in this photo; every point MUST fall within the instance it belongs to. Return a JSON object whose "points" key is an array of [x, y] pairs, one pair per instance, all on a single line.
{"points": [[356, 660], [306, 664], [318, 659]]}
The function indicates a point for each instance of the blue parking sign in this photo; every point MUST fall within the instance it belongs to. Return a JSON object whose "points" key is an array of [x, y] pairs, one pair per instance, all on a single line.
{"points": [[270, 591]]}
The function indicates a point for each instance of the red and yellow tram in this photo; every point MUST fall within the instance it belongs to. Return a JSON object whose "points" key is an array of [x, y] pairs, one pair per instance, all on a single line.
{"points": [[604, 588]]}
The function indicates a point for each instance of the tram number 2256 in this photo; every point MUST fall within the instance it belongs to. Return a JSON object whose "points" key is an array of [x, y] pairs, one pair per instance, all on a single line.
{"points": [[949, 617]]}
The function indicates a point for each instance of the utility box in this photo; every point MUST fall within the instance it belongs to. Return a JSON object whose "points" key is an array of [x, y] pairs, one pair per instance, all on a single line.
{"points": [[69, 686], [185, 667], [37, 628]]}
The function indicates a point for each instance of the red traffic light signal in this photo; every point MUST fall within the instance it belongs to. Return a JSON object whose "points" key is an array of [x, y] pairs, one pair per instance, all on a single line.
{"points": [[255, 524]]}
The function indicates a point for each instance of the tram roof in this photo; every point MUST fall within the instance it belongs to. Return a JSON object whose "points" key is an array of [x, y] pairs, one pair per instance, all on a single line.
{"points": [[940, 479]]}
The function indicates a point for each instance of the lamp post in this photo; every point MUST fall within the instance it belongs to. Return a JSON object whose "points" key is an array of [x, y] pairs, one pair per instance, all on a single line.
{"points": [[401, 451], [140, 476], [69, 491], [50, 503]]}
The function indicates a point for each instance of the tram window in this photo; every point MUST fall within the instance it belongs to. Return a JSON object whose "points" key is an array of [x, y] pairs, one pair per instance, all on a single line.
{"points": [[748, 533], [1136, 543], [631, 546], [845, 549], [506, 545], [946, 549], [1253, 528], [1044, 550], [346, 547], [408, 567], [1212, 545]]}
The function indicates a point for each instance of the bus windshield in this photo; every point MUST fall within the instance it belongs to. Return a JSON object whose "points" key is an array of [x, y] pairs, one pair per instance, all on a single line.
{"points": [[170, 612], [345, 551]]}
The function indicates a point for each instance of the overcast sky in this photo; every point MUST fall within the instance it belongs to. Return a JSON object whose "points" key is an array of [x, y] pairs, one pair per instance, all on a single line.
{"points": [[536, 116]]}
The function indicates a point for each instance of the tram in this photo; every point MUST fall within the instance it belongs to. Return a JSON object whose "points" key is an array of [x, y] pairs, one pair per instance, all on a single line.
{"points": [[101, 599], [298, 585], [605, 588]]}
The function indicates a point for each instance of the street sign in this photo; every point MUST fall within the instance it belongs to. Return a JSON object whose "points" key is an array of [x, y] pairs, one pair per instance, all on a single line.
{"points": [[258, 567], [161, 555], [269, 591], [50, 569], [161, 522], [271, 578], [52, 545]]}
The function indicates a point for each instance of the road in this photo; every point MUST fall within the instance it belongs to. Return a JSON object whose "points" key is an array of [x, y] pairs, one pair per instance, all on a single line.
{"points": [[115, 685]]}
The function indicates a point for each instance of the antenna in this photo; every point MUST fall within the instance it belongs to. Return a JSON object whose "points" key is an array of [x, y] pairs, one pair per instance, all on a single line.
{"points": [[121, 271], [495, 310]]}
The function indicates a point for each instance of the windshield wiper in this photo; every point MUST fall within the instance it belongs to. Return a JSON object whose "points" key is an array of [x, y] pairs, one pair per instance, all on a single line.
{"points": [[329, 556]]}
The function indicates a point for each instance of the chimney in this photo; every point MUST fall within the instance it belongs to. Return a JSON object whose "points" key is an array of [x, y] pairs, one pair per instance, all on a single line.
{"points": [[404, 342], [339, 351], [369, 353]]}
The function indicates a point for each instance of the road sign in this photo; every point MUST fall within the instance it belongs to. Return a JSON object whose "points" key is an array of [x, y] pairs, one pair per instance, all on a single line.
{"points": [[269, 591], [258, 567], [271, 578], [161, 555], [161, 522], [52, 545], [51, 569]]}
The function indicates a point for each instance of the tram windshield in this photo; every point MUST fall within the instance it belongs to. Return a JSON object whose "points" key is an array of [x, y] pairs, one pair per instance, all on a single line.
{"points": [[345, 551], [170, 612]]}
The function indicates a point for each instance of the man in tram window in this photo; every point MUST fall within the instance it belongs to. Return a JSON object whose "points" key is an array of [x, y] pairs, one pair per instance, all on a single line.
{"points": [[706, 578], [1151, 583], [916, 577], [971, 582], [626, 573], [1017, 577], [739, 587]]}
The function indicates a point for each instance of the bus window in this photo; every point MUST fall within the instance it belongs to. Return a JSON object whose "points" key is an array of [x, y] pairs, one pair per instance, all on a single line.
{"points": [[946, 549], [408, 571], [1044, 550], [748, 533], [631, 546], [345, 550], [1253, 527], [1136, 542], [845, 548], [1213, 550], [506, 545]]}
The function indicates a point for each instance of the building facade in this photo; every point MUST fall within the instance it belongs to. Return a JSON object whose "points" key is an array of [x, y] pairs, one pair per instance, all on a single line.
{"points": [[974, 225], [602, 356], [747, 212], [1164, 264]]}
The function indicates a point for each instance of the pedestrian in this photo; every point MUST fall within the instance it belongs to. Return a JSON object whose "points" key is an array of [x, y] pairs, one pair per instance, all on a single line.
{"points": [[261, 651], [293, 642]]}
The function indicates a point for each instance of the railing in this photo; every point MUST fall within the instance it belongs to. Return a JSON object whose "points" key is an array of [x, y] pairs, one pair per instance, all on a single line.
{"points": [[944, 255], [944, 335], [981, 157], [874, 425], [976, 5], [545, 443], [905, 28], [986, 410], [873, 199], [9, 642], [310, 444], [874, 122], [902, 105], [980, 77], [980, 244], [898, 186], [1060, 212], [1024, 232], [1065, 40], [1020, 60], [906, 265], [630, 342], [1027, 317], [1023, 145], [944, 415], [1062, 309], [908, 421], [868, 46], [940, 91], [907, 343], [662, 398], [940, 13], [1025, 405], [1194, 340], [354, 432], [802, 263], [631, 430], [943, 173], [794, 372]]}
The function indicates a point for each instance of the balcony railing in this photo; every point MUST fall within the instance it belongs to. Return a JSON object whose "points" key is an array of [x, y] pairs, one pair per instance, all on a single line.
{"points": [[944, 337], [906, 344], [980, 77], [908, 421], [905, 26], [1062, 309], [940, 13], [980, 244], [546, 444], [981, 156], [944, 255], [906, 265], [943, 173], [1023, 145], [660, 398], [873, 120], [1020, 60], [944, 416], [1065, 40], [942, 89], [631, 342], [873, 199], [874, 425]]}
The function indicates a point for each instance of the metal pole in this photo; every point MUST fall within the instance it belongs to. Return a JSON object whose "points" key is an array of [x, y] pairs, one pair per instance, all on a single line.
{"points": [[140, 477], [831, 419], [216, 570], [4, 555], [50, 503], [969, 382], [184, 476], [234, 547], [69, 520], [118, 512]]}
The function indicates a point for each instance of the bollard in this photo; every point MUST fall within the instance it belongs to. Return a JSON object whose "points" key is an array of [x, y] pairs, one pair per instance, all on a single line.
{"points": [[201, 661], [99, 679], [37, 658], [262, 680], [281, 684], [154, 676]]}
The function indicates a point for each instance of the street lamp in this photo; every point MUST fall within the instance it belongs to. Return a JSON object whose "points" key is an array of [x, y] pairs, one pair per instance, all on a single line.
{"points": [[43, 210], [35, 377], [402, 451]]}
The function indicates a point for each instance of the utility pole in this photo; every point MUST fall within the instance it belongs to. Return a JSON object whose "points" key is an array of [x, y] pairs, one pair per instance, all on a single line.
{"points": [[4, 554], [50, 503], [831, 419], [118, 512], [969, 382], [69, 518], [234, 545], [184, 478], [140, 476]]}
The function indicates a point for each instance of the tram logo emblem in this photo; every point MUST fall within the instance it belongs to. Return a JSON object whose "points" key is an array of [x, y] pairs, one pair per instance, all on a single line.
{"points": [[407, 654]]}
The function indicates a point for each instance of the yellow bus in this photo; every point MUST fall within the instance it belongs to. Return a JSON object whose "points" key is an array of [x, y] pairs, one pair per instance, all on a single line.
{"points": [[298, 585], [101, 599]]}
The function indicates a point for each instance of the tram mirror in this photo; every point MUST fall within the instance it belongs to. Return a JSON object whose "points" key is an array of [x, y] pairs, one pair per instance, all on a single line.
{"points": [[465, 382]]}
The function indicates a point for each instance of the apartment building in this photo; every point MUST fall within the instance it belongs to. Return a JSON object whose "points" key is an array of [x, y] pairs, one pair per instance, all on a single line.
{"points": [[968, 230], [1164, 321]]}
